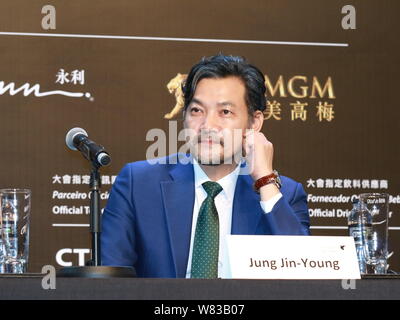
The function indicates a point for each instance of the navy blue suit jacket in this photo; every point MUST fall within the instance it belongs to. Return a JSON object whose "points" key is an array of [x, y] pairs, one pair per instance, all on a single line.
{"points": [[147, 222]]}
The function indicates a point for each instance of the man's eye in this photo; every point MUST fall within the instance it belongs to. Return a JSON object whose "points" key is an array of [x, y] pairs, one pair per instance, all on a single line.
{"points": [[226, 112], [194, 110]]}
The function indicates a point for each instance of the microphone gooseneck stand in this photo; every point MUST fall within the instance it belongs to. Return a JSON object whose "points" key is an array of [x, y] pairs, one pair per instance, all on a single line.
{"points": [[93, 268], [95, 218]]}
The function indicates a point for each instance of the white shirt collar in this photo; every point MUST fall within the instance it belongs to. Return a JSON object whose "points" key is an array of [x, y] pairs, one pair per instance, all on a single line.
{"points": [[228, 183]]}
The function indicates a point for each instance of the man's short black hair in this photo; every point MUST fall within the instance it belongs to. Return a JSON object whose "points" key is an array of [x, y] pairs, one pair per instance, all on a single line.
{"points": [[221, 66]]}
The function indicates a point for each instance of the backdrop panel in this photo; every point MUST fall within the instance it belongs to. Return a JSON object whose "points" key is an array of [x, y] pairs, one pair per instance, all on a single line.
{"points": [[333, 113]]}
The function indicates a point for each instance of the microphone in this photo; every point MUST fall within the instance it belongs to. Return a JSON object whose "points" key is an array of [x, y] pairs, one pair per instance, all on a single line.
{"points": [[77, 139]]}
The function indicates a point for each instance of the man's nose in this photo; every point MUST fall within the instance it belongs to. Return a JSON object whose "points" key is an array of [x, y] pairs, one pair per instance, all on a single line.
{"points": [[210, 121]]}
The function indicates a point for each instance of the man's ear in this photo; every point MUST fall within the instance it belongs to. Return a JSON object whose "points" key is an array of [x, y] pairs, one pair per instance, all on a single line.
{"points": [[258, 120]]}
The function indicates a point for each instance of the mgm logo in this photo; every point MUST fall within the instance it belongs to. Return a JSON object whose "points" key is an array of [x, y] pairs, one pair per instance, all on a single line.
{"points": [[298, 87]]}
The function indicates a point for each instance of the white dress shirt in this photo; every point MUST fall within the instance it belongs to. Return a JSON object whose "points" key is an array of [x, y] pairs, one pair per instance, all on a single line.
{"points": [[224, 203]]}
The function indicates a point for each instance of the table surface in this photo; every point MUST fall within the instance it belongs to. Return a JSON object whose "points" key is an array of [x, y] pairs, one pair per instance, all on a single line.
{"points": [[29, 287]]}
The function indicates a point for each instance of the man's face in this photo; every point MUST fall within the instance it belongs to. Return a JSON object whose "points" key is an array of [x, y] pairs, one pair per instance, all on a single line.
{"points": [[216, 119]]}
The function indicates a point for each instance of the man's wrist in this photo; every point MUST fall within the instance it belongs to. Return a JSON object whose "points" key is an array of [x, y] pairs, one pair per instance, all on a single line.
{"points": [[263, 173], [272, 178], [268, 191]]}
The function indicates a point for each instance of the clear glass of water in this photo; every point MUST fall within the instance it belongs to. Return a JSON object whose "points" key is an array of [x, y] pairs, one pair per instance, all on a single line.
{"points": [[376, 242], [15, 206]]}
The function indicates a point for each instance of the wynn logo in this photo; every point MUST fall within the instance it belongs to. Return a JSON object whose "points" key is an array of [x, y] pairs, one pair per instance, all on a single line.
{"points": [[28, 89], [77, 77]]}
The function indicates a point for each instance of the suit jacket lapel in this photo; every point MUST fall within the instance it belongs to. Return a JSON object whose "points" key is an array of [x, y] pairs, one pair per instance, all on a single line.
{"points": [[178, 198], [246, 212]]}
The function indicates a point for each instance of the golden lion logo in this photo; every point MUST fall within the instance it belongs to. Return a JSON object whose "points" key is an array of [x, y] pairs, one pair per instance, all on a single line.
{"points": [[175, 87]]}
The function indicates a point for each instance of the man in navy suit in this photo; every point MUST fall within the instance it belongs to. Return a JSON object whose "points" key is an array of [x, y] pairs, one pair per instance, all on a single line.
{"points": [[170, 218]]}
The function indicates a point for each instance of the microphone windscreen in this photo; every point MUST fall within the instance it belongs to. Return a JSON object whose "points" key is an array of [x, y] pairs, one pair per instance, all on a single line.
{"points": [[103, 159], [69, 138]]}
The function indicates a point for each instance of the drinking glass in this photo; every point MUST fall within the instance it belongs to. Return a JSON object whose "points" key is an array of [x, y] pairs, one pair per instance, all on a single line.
{"points": [[376, 242], [15, 206]]}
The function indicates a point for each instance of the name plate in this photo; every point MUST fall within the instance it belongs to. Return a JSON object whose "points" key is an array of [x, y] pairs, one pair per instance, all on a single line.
{"points": [[292, 257]]}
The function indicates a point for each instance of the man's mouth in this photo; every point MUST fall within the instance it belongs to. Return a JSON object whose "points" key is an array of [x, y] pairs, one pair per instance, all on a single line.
{"points": [[210, 141]]}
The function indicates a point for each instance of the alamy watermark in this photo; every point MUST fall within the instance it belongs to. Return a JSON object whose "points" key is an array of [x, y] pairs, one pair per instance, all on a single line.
{"points": [[348, 284], [207, 146], [349, 20], [49, 278], [49, 18]]}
